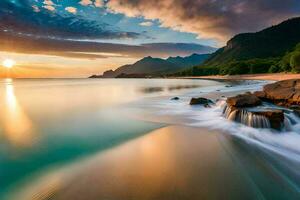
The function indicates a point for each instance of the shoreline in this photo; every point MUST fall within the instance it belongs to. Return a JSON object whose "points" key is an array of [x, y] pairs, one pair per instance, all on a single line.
{"points": [[173, 162], [269, 77], [154, 166]]}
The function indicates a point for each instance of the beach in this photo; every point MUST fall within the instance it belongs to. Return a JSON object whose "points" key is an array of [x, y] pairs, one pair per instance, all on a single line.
{"points": [[136, 143], [270, 77], [170, 163]]}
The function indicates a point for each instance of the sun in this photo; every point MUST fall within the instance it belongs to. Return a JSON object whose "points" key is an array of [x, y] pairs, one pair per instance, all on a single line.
{"points": [[8, 63]]}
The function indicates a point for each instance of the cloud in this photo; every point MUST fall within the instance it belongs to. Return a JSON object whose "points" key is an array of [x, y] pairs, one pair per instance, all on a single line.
{"points": [[96, 3], [99, 3], [71, 10], [94, 50], [148, 23], [86, 2], [49, 5], [210, 18], [21, 18], [50, 8], [35, 8]]}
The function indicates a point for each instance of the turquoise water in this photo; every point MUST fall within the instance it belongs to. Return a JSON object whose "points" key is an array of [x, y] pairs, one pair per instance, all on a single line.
{"points": [[53, 122]]}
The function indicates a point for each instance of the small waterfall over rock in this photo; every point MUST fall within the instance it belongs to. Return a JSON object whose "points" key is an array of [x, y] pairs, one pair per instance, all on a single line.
{"points": [[265, 116], [246, 117]]}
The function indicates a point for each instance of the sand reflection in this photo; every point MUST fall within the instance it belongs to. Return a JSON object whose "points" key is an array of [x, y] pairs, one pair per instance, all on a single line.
{"points": [[168, 164], [17, 127]]}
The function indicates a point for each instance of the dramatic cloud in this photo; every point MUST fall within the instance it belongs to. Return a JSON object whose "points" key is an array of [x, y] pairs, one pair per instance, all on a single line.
{"points": [[210, 18], [94, 50], [21, 18]]}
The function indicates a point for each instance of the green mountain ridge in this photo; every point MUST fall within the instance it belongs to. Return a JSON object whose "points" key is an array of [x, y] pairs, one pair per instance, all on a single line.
{"points": [[260, 52], [270, 42]]}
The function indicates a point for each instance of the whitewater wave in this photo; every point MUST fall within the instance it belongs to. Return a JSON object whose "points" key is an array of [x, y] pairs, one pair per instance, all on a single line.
{"points": [[285, 143]]}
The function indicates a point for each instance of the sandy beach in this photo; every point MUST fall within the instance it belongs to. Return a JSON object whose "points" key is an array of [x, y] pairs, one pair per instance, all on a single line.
{"points": [[271, 77], [175, 162]]}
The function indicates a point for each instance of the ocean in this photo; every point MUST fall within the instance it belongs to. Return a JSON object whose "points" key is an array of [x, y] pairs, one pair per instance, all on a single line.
{"points": [[127, 139]]}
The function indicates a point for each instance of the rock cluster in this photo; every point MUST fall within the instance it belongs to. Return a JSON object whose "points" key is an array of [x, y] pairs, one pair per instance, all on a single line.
{"points": [[238, 110], [283, 93], [244, 100]]}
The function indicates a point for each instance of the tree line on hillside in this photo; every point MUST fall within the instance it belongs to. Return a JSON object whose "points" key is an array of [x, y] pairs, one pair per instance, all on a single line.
{"points": [[290, 62]]}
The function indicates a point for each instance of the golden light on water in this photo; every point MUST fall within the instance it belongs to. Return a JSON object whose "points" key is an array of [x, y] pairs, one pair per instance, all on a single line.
{"points": [[18, 128], [8, 63]]}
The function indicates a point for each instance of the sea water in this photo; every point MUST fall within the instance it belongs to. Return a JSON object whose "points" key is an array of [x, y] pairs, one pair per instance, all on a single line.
{"points": [[48, 125]]}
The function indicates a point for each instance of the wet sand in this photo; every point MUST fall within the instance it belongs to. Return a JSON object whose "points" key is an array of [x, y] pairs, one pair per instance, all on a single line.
{"points": [[270, 77], [169, 163]]}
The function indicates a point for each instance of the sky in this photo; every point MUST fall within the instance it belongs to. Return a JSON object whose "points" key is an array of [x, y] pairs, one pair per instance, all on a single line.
{"points": [[77, 38]]}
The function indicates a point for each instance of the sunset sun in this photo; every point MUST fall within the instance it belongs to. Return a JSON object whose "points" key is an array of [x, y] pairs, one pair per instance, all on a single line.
{"points": [[8, 63]]}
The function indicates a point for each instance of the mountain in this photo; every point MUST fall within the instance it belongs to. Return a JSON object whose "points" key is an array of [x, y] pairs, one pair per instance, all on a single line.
{"points": [[271, 42], [271, 50], [192, 60], [155, 66]]}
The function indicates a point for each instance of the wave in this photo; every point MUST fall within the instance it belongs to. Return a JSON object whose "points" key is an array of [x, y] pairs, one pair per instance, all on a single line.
{"points": [[284, 143]]}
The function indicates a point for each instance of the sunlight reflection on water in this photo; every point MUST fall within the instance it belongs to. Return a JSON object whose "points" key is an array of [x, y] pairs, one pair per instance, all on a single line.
{"points": [[18, 127]]}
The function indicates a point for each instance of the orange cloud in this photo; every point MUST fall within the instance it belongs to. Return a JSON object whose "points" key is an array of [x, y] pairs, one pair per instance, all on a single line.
{"points": [[72, 10], [86, 2], [209, 18]]}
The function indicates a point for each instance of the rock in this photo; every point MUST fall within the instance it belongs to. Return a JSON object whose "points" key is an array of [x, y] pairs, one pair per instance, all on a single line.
{"points": [[260, 94], [283, 93], [200, 101], [244, 100], [276, 117], [296, 109], [228, 86], [207, 105], [256, 118], [96, 76], [175, 98]]}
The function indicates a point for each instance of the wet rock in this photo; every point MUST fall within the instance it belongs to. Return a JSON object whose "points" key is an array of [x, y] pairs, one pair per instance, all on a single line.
{"points": [[244, 100], [201, 101], [296, 109], [276, 117], [256, 118], [175, 98], [285, 93], [207, 105], [260, 94]]}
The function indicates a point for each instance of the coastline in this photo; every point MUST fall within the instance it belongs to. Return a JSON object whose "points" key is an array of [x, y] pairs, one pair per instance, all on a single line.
{"points": [[159, 165], [267, 77], [188, 159], [174, 162]]}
